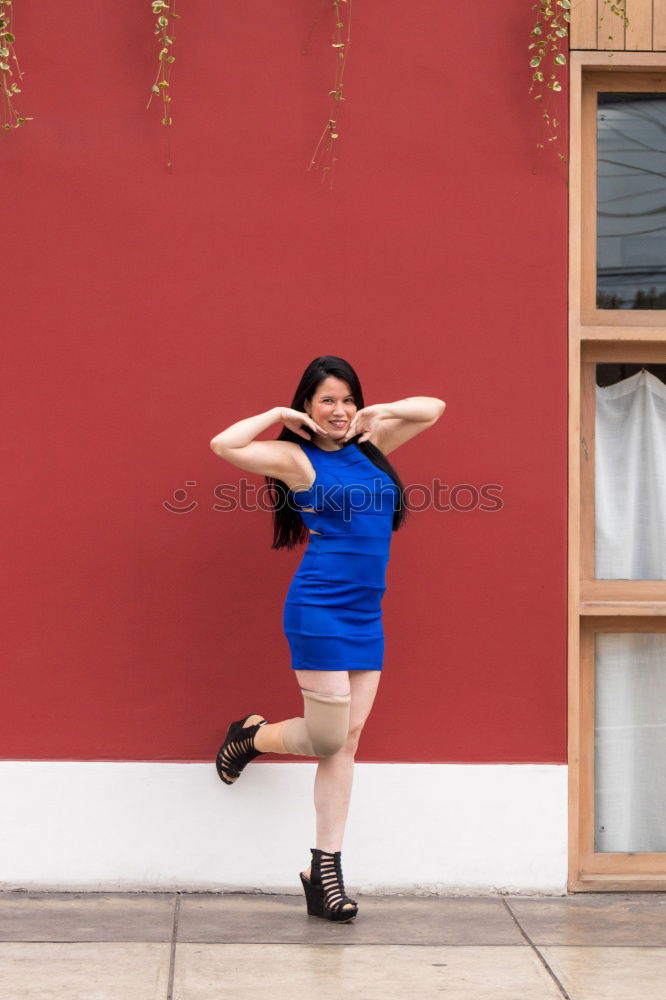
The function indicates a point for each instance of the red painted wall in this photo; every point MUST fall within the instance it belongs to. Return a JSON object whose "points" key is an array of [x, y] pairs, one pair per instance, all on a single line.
{"points": [[145, 310]]}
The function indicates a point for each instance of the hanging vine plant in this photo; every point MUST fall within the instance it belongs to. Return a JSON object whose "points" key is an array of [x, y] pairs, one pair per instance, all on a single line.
{"points": [[324, 156], [549, 51], [163, 11], [10, 117]]}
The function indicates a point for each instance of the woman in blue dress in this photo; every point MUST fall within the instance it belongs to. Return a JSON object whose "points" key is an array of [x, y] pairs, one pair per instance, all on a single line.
{"points": [[332, 486]]}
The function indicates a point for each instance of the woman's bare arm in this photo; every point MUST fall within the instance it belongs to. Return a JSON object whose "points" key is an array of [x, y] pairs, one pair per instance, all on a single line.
{"points": [[388, 425], [405, 418], [277, 459]]}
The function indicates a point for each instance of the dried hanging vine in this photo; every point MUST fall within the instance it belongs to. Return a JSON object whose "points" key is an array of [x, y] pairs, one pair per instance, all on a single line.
{"points": [[9, 117], [163, 11], [324, 154], [550, 46]]}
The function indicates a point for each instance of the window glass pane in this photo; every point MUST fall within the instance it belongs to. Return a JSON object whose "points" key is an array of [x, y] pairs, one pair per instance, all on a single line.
{"points": [[630, 473], [630, 742], [631, 201]]}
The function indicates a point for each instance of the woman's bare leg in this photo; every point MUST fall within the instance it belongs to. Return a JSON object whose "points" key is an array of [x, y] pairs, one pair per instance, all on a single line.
{"points": [[334, 777], [269, 737], [335, 774]]}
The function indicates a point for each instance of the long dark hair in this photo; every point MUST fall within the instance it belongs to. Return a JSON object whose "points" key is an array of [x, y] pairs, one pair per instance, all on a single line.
{"points": [[288, 525]]}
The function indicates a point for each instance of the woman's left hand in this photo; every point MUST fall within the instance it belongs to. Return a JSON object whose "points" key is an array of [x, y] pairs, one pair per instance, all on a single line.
{"points": [[365, 422]]}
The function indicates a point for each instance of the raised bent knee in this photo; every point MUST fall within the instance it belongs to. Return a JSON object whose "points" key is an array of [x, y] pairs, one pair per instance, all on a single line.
{"points": [[326, 746], [327, 721]]}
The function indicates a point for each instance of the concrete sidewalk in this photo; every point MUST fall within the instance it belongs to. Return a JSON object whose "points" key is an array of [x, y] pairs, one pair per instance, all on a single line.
{"points": [[181, 946]]}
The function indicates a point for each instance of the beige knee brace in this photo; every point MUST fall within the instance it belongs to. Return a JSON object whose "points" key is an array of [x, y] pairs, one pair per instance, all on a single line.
{"points": [[324, 727]]}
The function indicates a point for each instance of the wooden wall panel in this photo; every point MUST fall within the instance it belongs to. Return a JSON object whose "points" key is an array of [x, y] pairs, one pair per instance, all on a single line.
{"points": [[583, 27], [593, 21], [609, 23], [659, 26], [639, 30]]}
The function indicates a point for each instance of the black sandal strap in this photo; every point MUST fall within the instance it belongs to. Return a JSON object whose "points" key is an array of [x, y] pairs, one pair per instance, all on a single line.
{"points": [[329, 872], [238, 749]]}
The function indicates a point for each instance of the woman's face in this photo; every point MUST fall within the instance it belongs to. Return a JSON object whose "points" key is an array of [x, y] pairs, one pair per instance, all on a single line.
{"points": [[332, 407]]}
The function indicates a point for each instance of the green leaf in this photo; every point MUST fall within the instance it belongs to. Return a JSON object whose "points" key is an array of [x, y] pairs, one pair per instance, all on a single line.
{"points": [[155, 89], [9, 36], [560, 59]]}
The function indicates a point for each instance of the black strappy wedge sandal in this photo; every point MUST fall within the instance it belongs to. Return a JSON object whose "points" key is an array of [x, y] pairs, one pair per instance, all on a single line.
{"points": [[325, 889], [238, 749]]}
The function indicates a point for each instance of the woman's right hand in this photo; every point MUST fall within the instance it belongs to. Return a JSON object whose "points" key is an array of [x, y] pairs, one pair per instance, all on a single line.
{"points": [[294, 420]]}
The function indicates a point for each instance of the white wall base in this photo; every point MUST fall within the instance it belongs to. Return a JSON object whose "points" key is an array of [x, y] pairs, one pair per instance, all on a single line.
{"points": [[412, 828]]}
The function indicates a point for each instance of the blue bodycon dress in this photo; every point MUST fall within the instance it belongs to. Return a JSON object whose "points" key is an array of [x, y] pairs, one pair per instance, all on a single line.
{"points": [[332, 613]]}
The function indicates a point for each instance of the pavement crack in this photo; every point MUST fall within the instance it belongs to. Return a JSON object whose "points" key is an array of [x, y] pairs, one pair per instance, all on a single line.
{"points": [[536, 951], [174, 938]]}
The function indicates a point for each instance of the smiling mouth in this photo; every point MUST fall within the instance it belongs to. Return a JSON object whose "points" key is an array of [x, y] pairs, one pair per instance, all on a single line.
{"points": [[338, 423]]}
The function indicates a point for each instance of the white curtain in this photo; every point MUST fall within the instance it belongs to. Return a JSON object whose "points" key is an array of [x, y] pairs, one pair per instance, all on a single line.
{"points": [[630, 668], [630, 479]]}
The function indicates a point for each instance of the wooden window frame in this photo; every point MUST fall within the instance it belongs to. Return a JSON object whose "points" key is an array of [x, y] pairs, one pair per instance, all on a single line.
{"points": [[599, 336]]}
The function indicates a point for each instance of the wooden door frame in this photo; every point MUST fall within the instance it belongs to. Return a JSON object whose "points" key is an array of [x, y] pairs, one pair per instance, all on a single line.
{"points": [[597, 336]]}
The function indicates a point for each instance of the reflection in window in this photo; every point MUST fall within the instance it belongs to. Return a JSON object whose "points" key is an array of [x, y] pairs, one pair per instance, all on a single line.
{"points": [[630, 742], [631, 201]]}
